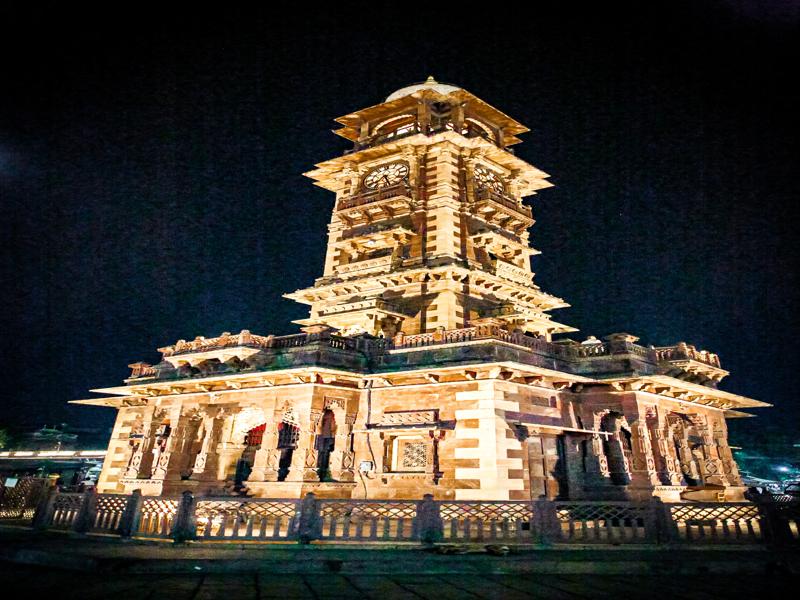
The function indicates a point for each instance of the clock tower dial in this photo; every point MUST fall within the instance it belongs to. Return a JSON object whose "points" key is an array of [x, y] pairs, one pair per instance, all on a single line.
{"points": [[486, 179], [386, 175]]}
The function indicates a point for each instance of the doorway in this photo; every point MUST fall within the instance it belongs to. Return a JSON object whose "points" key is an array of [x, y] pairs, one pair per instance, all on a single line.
{"points": [[547, 466]]}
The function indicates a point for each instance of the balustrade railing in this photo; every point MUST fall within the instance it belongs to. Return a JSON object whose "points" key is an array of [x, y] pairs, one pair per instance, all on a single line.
{"points": [[488, 521], [367, 520], [605, 522], [717, 523], [247, 519], [19, 501], [565, 351], [109, 511], [686, 352], [66, 509], [157, 517], [395, 191], [341, 520], [480, 332], [226, 340], [484, 194]]}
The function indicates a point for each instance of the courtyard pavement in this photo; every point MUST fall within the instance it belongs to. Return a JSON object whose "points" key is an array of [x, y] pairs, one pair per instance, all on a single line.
{"points": [[37, 582], [64, 566]]}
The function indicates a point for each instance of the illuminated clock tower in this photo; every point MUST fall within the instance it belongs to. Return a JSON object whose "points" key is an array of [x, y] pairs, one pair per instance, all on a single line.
{"points": [[426, 365], [429, 231]]}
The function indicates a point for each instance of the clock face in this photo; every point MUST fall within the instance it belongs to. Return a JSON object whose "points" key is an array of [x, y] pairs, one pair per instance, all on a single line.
{"points": [[486, 179], [386, 175]]}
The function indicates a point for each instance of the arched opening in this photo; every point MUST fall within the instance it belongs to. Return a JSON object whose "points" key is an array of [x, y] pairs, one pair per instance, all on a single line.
{"points": [[187, 370], [685, 439], [288, 436], [325, 443], [614, 446], [395, 127], [475, 128], [252, 442]]}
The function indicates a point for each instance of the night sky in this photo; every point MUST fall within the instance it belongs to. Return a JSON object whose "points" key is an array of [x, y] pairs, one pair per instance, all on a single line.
{"points": [[151, 187]]}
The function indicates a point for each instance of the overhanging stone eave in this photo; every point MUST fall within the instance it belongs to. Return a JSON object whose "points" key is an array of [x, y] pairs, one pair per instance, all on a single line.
{"points": [[737, 414], [109, 401], [691, 365], [740, 401]]}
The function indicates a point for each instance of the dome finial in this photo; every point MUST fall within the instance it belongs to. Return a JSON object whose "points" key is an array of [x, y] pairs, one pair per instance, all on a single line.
{"points": [[429, 84]]}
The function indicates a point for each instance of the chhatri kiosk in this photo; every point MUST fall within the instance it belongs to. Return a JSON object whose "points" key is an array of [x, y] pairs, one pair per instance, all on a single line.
{"points": [[428, 362]]}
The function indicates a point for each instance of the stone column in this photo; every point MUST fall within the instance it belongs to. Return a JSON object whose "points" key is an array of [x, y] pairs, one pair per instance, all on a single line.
{"points": [[686, 460], [713, 470], [145, 450], [341, 444], [184, 447], [137, 448], [663, 450], [177, 423], [304, 458], [206, 462], [730, 468], [644, 465]]}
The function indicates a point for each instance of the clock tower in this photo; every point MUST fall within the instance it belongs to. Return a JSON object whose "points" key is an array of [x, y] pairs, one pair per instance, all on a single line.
{"points": [[465, 397], [428, 230]]}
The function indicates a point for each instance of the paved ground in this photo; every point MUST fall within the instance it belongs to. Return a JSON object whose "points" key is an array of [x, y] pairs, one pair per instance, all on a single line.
{"points": [[39, 581], [34, 566]]}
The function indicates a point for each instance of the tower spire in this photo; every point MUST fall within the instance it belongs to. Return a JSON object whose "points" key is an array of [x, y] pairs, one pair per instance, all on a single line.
{"points": [[428, 230]]}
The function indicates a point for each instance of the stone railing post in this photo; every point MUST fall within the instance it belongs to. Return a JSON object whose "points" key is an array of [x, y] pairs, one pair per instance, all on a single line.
{"points": [[546, 526], [129, 523], [87, 513], [43, 516], [310, 525], [665, 529], [184, 527], [776, 530], [428, 524], [652, 509]]}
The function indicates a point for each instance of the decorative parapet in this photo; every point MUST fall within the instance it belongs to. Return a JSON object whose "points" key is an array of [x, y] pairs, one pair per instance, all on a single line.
{"points": [[226, 340], [683, 351], [682, 360], [192, 354], [142, 369]]}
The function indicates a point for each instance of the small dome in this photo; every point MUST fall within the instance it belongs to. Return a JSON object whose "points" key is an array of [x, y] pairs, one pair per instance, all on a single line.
{"points": [[429, 84]]}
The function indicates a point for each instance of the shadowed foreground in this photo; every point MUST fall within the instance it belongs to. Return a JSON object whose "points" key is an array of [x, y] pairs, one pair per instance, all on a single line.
{"points": [[244, 586]]}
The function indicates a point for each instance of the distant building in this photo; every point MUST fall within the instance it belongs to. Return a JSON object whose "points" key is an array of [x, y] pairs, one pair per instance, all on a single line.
{"points": [[70, 454], [427, 364]]}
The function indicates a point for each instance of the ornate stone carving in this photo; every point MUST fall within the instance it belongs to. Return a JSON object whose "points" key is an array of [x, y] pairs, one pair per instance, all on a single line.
{"points": [[409, 417]]}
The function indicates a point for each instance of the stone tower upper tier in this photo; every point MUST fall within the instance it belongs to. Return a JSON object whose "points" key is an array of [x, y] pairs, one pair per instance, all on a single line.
{"points": [[428, 230]]}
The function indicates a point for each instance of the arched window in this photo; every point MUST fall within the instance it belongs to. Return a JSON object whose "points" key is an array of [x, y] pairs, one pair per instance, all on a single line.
{"points": [[395, 127], [474, 128], [288, 435], [252, 442], [325, 443], [614, 447]]}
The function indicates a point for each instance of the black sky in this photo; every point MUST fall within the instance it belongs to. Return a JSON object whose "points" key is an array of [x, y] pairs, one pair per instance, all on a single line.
{"points": [[151, 187]]}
